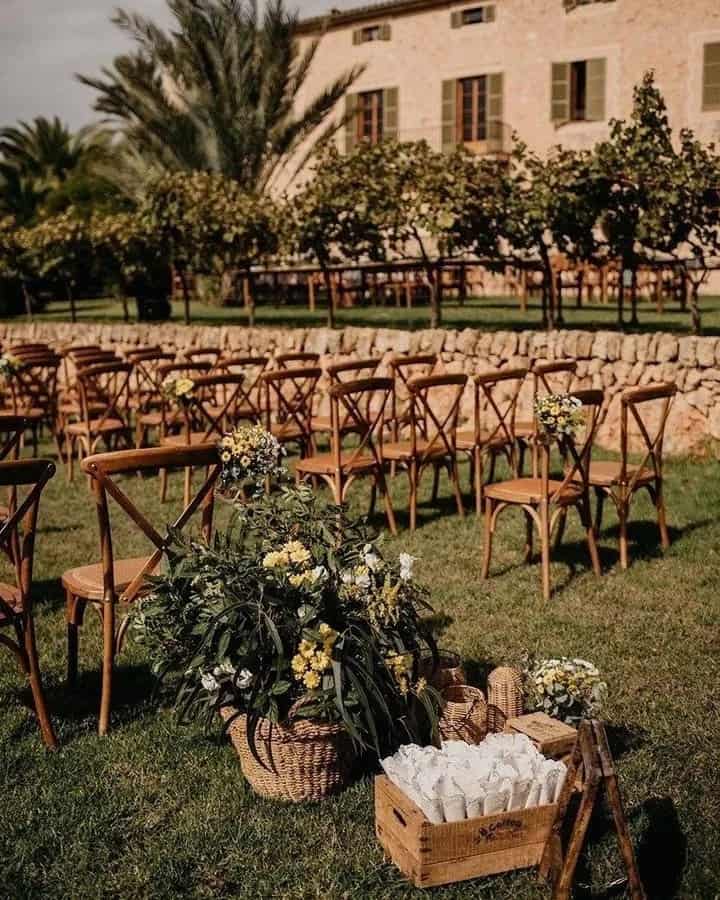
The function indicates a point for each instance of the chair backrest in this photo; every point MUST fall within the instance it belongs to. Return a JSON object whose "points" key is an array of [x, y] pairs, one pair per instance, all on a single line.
{"points": [[495, 404], [146, 380], [25, 479], [402, 370], [576, 452], [146, 352], [107, 384], [553, 377], [358, 405], [35, 385], [252, 367], [103, 467], [640, 405], [203, 354], [215, 403], [177, 369], [12, 429], [434, 413], [296, 359], [353, 369], [289, 398], [25, 349]]}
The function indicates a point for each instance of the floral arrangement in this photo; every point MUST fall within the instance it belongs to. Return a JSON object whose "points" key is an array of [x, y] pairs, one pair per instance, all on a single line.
{"points": [[559, 415], [294, 612], [567, 689], [249, 453], [178, 389], [9, 365]]}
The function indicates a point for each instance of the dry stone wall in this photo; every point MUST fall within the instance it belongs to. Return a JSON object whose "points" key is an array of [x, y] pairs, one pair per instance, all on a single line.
{"points": [[606, 359]]}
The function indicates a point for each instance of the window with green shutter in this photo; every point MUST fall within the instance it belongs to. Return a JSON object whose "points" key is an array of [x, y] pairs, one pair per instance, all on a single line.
{"points": [[474, 15], [577, 91], [449, 137], [390, 114], [472, 110], [351, 122], [378, 32], [370, 117], [711, 77]]}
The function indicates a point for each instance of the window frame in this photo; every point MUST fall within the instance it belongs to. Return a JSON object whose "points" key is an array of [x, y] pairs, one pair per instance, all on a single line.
{"points": [[478, 85], [370, 107]]}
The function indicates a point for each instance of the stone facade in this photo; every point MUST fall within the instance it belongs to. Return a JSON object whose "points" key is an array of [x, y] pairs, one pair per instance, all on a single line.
{"points": [[606, 359]]}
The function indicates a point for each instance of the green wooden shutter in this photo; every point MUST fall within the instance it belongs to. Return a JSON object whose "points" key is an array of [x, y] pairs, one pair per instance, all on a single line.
{"points": [[489, 15], [595, 90], [390, 114], [351, 104], [711, 77], [560, 93], [385, 31], [357, 37], [456, 19], [494, 110], [449, 116]]}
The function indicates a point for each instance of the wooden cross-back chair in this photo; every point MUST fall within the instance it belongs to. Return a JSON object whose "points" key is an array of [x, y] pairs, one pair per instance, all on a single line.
{"points": [[69, 394], [210, 414], [548, 377], [168, 418], [147, 351], [34, 393], [114, 582], [146, 382], [22, 349], [250, 407], [104, 391], [402, 370], [288, 405], [545, 500], [356, 407], [621, 481], [25, 480], [338, 373], [297, 359], [495, 398], [209, 355], [433, 418]]}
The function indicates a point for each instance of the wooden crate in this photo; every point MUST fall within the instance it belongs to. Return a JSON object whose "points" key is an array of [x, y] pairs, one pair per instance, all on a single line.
{"points": [[551, 736], [431, 855]]}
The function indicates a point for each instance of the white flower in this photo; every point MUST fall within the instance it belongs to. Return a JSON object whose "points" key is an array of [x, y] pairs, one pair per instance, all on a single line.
{"points": [[302, 611], [244, 678], [370, 558], [362, 579], [347, 577], [208, 682], [319, 573], [406, 566]]}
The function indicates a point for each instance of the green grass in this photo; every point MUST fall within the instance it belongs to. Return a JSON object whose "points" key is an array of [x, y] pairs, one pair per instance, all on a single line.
{"points": [[160, 810], [490, 313]]}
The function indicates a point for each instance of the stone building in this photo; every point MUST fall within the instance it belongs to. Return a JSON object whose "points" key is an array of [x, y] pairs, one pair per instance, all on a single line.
{"points": [[555, 71]]}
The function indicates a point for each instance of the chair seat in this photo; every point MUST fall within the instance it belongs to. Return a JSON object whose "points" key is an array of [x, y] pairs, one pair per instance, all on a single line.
{"points": [[403, 450], [524, 429], [324, 463], [10, 595], [87, 581], [466, 440], [324, 424], [607, 473], [529, 490], [196, 437], [96, 426], [287, 431]]}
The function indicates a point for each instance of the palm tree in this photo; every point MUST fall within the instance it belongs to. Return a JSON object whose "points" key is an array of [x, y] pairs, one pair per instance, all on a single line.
{"points": [[220, 91], [37, 157]]}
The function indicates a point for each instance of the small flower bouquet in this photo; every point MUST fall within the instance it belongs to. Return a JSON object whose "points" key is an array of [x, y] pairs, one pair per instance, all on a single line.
{"points": [[178, 389], [559, 415], [567, 689], [294, 615], [249, 453], [10, 365]]}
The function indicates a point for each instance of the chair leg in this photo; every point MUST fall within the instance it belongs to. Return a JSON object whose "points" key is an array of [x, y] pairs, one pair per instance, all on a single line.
{"points": [[586, 518], [545, 550], [73, 619], [623, 517], [487, 538], [478, 472], [187, 485], [600, 502], [559, 533], [108, 618], [163, 485], [662, 517], [455, 481], [30, 647], [389, 511], [529, 534], [413, 476]]}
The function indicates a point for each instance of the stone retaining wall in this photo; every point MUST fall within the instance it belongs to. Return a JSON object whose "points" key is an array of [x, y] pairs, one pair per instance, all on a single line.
{"points": [[606, 359]]}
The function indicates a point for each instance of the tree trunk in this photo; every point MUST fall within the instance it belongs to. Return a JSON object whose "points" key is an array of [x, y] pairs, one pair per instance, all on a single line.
{"points": [[559, 319], [250, 298], [433, 277], [186, 295], [28, 302], [633, 297], [695, 308], [550, 292], [71, 300], [327, 279], [621, 299]]}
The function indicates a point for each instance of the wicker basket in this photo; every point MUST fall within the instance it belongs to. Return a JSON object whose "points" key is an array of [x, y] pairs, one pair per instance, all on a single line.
{"points": [[505, 697], [302, 760], [464, 714], [447, 672]]}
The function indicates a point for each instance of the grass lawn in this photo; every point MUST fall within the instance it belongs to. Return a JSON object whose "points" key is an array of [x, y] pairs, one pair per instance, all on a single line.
{"points": [[490, 313], [160, 810]]}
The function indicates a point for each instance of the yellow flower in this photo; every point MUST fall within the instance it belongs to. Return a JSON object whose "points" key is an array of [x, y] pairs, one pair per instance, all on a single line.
{"points": [[298, 665], [226, 456], [328, 634], [321, 661], [421, 685], [306, 649], [311, 679]]}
